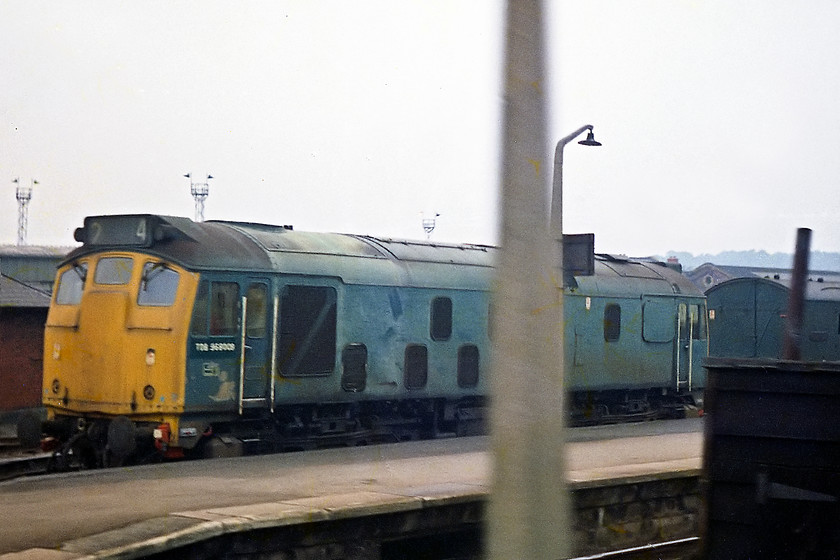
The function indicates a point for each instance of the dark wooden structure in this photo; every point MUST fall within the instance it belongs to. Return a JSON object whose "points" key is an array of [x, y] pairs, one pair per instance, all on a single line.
{"points": [[772, 459]]}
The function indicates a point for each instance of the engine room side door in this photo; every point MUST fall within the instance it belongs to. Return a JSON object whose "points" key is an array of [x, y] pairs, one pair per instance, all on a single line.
{"points": [[257, 325], [659, 336]]}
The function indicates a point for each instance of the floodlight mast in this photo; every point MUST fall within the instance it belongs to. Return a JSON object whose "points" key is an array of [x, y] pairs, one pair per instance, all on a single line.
{"points": [[200, 191], [429, 225], [23, 195]]}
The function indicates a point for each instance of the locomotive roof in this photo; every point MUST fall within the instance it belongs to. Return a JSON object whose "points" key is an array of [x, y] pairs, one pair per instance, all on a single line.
{"points": [[243, 246], [361, 259], [620, 276]]}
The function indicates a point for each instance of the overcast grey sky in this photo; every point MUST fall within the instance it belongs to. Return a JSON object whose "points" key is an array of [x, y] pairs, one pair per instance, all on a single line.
{"points": [[720, 120]]}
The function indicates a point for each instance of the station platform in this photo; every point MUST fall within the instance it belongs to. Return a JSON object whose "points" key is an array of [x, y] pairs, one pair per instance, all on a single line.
{"points": [[147, 510]]}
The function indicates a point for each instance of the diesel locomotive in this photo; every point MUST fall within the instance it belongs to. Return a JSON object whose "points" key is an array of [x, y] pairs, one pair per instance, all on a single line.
{"points": [[168, 337]]}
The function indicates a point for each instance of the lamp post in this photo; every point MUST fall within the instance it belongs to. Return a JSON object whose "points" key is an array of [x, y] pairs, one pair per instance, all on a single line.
{"points": [[556, 227]]}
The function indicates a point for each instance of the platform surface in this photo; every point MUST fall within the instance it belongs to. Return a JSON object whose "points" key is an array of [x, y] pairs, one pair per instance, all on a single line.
{"points": [[73, 515]]}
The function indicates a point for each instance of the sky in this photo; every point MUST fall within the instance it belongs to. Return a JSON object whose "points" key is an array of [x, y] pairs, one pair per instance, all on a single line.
{"points": [[720, 120]]}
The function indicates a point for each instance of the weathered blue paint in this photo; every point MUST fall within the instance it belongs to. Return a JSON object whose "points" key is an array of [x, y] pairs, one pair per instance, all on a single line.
{"points": [[338, 302], [749, 318]]}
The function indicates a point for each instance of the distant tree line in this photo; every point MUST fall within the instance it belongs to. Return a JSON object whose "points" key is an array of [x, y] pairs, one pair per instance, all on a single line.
{"points": [[818, 260]]}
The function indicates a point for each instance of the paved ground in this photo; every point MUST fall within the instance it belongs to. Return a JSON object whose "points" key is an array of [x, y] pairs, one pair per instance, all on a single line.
{"points": [[48, 511]]}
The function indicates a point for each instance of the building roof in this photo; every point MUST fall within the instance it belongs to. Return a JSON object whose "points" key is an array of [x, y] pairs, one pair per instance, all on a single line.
{"points": [[44, 251], [27, 273], [708, 275], [816, 288], [14, 293]]}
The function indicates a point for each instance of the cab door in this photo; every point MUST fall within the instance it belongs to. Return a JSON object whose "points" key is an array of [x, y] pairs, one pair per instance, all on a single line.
{"points": [[691, 344], [257, 323]]}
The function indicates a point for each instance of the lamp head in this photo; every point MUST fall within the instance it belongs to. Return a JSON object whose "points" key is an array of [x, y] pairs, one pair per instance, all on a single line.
{"points": [[590, 139]]}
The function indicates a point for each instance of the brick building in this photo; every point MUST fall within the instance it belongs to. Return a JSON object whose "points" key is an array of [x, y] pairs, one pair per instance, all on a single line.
{"points": [[26, 277]]}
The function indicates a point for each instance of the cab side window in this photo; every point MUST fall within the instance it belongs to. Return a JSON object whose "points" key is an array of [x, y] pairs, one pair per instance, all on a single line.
{"points": [[224, 302], [216, 309], [257, 311], [698, 321]]}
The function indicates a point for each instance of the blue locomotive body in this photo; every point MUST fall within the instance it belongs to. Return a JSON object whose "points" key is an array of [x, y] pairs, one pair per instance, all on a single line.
{"points": [[263, 334], [635, 338]]}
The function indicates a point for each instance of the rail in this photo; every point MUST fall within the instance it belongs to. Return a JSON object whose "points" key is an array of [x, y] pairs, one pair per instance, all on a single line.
{"points": [[20, 466], [679, 549]]}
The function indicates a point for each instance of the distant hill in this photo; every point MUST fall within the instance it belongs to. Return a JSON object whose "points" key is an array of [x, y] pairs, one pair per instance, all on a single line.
{"points": [[817, 260]]}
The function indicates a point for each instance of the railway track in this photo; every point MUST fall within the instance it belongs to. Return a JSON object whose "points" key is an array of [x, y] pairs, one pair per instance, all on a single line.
{"points": [[680, 549], [18, 464]]}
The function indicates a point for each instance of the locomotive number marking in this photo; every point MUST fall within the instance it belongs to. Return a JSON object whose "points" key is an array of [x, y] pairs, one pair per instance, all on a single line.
{"points": [[141, 230], [215, 347], [95, 232]]}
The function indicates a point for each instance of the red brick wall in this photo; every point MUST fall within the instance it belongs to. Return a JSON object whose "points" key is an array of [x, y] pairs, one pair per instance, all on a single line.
{"points": [[21, 356]]}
